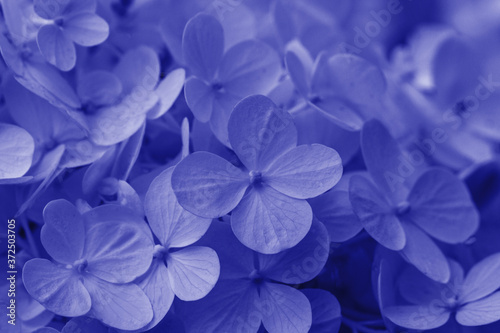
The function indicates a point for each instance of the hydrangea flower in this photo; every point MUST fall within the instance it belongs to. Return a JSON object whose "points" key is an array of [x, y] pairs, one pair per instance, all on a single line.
{"points": [[473, 298], [269, 213], [253, 287], [188, 272], [96, 257], [68, 22], [221, 78], [402, 209]]}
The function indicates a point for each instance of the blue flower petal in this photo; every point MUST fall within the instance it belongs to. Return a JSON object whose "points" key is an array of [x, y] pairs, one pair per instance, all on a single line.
{"points": [[168, 90], [99, 88], [384, 161], [250, 67], [63, 234], [375, 214], [268, 221], [326, 316], [207, 185], [193, 272], [58, 289], [122, 306], [441, 205], [334, 210], [84, 324], [139, 71], [172, 224], [200, 98], [16, 151], [47, 9], [482, 279], [203, 45], [86, 29], [156, 286], [421, 251], [305, 171], [417, 316], [284, 309], [481, 312], [302, 262], [300, 65], [56, 47], [259, 132], [418, 289], [117, 247]]}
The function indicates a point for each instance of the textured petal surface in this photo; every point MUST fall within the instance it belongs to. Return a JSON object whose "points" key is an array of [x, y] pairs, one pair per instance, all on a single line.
{"points": [[326, 316], [168, 90], [122, 306], [285, 309], [421, 251], [200, 98], [441, 205], [269, 222], [305, 171], [59, 290], [375, 214], [193, 272], [482, 279], [117, 247], [250, 67], [86, 29], [16, 151], [232, 306], [203, 45], [207, 185], [63, 234], [100, 88], [480, 312], [156, 286], [417, 317], [56, 47], [334, 210], [259, 132], [173, 225]]}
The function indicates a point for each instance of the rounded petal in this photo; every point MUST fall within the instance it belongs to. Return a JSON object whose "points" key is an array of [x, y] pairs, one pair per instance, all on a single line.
{"points": [[250, 67], [305, 171], [122, 306], [482, 279], [268, 221], [481, 312], [375, 214], [86, 29], [16, 151], [58, 289], [99, 88], [203, 45], [118, 247], [193, 272], [421, 251], [156, 286], [207, 185], [285, 309], [441, 205], [334, 210], [168, 90], [326, 316], [259, 132], [56, 48], [48, 9], [200, 98], [63, 234], [173, 225], [418, 317]]}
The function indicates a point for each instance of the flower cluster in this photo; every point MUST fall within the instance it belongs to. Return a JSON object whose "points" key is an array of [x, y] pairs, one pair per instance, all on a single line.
{"points": [[250, 166]]}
